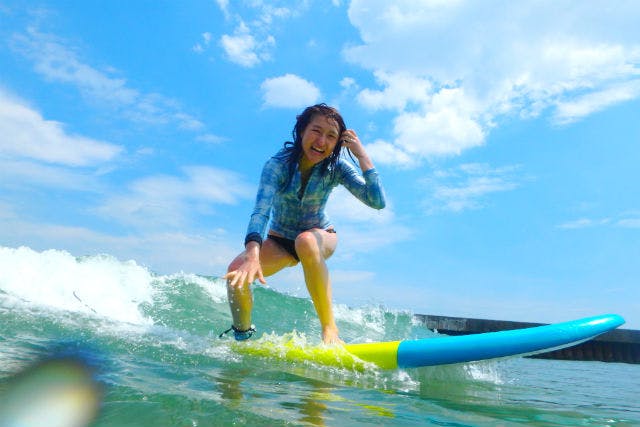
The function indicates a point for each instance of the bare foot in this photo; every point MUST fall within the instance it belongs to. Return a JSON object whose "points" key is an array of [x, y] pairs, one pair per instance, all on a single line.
{"points": [[330, 336]]}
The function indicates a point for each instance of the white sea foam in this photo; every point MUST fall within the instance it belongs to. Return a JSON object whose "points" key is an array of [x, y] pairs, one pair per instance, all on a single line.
{"points": [[371, 317], [215, 288], [96, 285]]}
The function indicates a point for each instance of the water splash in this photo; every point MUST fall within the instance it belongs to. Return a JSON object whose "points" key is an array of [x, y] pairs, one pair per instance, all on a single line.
{"points": [[97, 285]]}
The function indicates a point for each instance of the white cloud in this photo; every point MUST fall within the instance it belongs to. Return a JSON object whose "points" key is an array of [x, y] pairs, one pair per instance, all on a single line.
{"points": [[399, 91], [211, 139], [506, 58], [200, 47], [465, 187], [224, 7], [243, 49], [252, 42], [240, 49], [262, 15], [581, 106], [448, 124], [348, 83], [624, 221], [269, 13], [448, 127], [20, 173], [629, 223], [580, 223], [289, 91], [387, 153], [26, 134], [162, 201], [58, 61]]}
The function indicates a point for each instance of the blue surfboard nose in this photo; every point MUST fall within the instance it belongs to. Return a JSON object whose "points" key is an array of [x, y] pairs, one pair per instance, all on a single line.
{"points": [[490, 345]]}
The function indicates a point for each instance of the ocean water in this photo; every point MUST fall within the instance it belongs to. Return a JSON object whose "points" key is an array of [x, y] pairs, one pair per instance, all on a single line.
{"points": [[140, 349]]}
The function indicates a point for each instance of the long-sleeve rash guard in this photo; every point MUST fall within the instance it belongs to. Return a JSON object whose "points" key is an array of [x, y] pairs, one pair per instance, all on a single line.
{"points": [[293, 211]]}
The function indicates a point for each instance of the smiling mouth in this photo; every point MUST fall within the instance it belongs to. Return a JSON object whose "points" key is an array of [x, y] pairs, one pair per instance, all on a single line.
{"points": [[317, 150]]}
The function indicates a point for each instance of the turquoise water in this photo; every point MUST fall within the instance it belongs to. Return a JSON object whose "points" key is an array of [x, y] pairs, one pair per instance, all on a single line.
{"points": [[151, 342]]}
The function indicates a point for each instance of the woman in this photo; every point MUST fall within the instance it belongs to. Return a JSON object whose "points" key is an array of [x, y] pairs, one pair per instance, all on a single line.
{"points": [[294, 188]]}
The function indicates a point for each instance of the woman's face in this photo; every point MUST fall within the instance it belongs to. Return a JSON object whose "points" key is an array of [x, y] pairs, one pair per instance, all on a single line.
{"points": [[319, 139]]}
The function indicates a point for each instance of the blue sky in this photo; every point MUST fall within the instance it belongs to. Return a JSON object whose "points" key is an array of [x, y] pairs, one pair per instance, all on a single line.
{"points": [[506, 134]]}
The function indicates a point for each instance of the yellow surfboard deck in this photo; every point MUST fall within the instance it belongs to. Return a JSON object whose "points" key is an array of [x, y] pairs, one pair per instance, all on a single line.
{"points": [[293, 347]]}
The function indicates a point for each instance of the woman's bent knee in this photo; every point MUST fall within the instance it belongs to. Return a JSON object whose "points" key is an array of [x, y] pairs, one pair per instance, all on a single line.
{"points": [[308, 244]]}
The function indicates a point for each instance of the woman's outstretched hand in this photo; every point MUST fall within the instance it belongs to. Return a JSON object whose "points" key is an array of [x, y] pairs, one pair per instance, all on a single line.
{"points": [[249, 270]]}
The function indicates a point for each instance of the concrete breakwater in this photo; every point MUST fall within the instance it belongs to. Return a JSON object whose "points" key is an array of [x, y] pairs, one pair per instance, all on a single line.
{"points": [[619, 345]]}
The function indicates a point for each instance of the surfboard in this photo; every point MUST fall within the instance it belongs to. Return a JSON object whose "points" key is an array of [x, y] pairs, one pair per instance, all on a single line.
{"points": [[439, 350]]}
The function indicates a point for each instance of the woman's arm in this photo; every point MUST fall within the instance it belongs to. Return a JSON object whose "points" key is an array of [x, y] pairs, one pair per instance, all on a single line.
{"points": [[353, 143], [366, 188], [250, 268], [270, 181]]}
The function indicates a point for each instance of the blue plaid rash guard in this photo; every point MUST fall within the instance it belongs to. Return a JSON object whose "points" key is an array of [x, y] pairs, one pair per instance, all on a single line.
{"points": [[292, 212]]}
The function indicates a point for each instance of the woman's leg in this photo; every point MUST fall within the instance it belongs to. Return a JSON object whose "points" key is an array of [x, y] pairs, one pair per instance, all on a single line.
{"points": [[313, 248], [272, 259]]}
